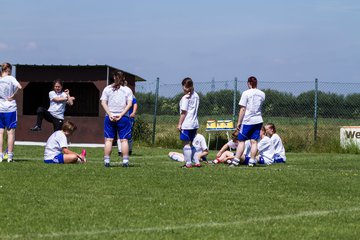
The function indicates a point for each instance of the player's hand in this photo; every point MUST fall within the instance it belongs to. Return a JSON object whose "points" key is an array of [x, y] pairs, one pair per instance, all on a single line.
{"points": [[238, 126], [179, 127]]}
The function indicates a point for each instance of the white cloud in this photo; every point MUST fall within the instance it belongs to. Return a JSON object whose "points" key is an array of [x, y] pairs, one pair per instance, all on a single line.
{"points": [[31, 46], [3, 46]]}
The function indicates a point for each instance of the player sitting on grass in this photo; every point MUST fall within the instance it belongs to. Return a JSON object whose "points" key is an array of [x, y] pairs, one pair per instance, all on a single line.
{"points": [[225, 156], [56, 148], [202, 151], [279, 156], [266, 149]]}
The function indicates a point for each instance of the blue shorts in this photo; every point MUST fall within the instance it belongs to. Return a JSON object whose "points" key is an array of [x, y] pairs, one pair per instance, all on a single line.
{"points": [[248, 132], [121, 127], [8, 120], [58, 159], [278, 158], [188, 135]]}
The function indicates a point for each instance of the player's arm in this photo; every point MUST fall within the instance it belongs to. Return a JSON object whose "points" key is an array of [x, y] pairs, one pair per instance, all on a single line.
{"points": [[70, 99], [241, 116], [181, 119], [135, 107], [223, 149], [104, 104], [128, 106], [68, 151], [10, 98]]}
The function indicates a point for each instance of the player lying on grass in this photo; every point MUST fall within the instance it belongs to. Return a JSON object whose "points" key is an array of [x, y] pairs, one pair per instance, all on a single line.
{"points": [[200, 145], [56, 148]]}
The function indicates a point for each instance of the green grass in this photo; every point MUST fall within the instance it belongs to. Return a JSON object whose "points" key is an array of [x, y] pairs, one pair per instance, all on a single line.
{"points": [[312, 196]]}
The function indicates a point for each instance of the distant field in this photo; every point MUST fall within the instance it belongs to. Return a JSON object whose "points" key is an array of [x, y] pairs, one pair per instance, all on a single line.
{"points": [[312, 196]]}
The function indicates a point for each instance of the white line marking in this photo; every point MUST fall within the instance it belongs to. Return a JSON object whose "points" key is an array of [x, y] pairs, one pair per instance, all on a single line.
{"points": [[181, 227]]}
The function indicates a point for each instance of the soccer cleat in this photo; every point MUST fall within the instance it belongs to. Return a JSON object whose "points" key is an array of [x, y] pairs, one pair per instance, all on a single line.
{"points": [[10, 160], [197, 165], [251, 163], [125, 165], [35, 129], [187, 166], [1, 159], [107, 164]]}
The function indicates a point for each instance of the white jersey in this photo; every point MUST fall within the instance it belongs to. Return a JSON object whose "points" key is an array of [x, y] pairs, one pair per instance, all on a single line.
{"points": [[233, 145], [266, 150], [54, 145], [278, 145], [199, 143], [57, 109], [8, 86], [117, 99], [190, 104], [252, 100]]}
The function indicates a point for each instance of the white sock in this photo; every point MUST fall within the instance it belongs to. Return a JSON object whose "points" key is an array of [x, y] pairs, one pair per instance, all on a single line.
{"points": [[107, 159], [119, 145], [125, 160], [235, 161], [196, 158], [187, 155]]}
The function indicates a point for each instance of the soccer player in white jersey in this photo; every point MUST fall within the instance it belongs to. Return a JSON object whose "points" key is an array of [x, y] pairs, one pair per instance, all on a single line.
{"points": [[55, 113], [188, 121], [56, 148], [266, 149], [9, 86], [250, 120], [279, 156], [201, 153], [116, 99], [225, 156]]}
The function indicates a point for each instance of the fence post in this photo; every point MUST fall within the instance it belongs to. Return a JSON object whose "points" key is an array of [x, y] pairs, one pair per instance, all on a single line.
{"points": [[155, 109], [234, 100], [315, 109]]}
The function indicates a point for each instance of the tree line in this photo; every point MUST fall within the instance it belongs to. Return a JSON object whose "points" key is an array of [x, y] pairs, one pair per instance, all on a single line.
{"points": [[277, 104]]}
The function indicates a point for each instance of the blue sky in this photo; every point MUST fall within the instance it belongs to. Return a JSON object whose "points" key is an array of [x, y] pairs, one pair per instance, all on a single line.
{"points": [[277, 40]]}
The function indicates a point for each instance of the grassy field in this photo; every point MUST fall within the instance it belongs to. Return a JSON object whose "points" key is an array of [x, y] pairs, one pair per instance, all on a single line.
{"points": [[312, 196]]}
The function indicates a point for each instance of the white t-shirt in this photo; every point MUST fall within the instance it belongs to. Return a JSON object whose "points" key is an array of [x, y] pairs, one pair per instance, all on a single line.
{"points": [[8, 86], [199, 143], [252, 100], [117, 99], [57, 109], [190, 104], [54, 145], [266, 150], [278, 145], [233, 145]]}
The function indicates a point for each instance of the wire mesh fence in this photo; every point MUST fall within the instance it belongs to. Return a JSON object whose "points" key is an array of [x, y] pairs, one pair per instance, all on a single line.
{"points": [[308, 115]]}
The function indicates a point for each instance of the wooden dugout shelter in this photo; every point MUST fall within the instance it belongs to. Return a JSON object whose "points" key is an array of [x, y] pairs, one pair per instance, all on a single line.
{"points": [[85, 83]]}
